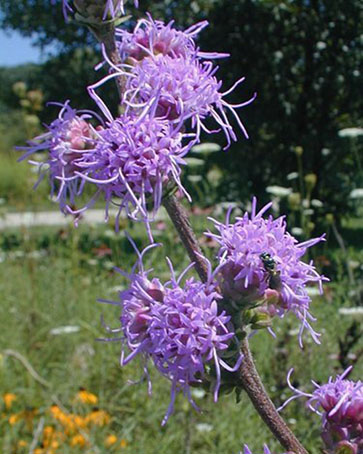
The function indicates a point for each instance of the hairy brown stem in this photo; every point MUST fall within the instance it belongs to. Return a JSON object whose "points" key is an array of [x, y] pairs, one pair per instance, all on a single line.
{"points": [[105, 33], [251, 382], [247, 375], [181, 222]]}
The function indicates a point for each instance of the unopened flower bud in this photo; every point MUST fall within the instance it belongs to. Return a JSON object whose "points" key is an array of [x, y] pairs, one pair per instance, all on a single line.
{"points": [[25, 103], [78, 134], [236, 289], [345, 447], [260, 320], [272, 296], [294, 200], [299, 151], [310, 181], [35, 97], [31, 121], [19, 88]]}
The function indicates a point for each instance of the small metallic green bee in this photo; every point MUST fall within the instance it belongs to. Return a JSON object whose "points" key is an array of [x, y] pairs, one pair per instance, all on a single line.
{"points": [[274, 280]]}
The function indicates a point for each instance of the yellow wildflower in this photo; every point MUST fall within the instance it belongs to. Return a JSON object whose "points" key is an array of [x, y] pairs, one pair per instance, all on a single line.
{"points": [[54, 445], [78, 440], [123, 443], [22, 444], [14, 418], [48, 431], [98, 418], [86, 397], [48, 436], [8, 399], [110, 440], [66, 420], [79, 421], [55, 411], [38, 451], [68, 424]]}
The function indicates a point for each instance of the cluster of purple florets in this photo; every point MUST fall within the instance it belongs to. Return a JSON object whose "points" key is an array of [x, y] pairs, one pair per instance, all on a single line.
{"points": [[339, 403], [178, 326], [261, 263], [69, 141], [130, 159], [153, 37], [168, 67]]}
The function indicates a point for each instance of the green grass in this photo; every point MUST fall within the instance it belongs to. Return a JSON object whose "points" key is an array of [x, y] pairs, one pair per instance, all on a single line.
{"points": [[59, 286], [16, 185]]}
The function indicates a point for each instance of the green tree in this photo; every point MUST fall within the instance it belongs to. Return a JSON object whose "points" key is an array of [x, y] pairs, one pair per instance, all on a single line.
{"points": [[302, 57]]}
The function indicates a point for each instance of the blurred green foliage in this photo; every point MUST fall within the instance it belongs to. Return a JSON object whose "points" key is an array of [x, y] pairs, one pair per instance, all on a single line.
{"points": [[303, 58]]}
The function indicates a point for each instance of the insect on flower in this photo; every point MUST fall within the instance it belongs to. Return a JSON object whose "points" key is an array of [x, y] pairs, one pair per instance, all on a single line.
{"points": [[261, 260], [274, 280]]}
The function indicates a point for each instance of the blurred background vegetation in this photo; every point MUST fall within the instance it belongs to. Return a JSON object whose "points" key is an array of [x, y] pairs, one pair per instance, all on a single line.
{"points": [[304, 59]]}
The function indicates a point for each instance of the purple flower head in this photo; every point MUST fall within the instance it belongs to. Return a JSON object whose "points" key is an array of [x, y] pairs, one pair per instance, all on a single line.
{"points": [[137, 302], [163, 72], [69, 141], [183, 89], [178, 327], [187, 331], [134, 157], [152, 37], [128, 160], [262, 262], [339, 403]]}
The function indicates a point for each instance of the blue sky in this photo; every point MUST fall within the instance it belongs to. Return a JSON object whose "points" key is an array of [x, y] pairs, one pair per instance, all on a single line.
{"points": [[15, 50]]}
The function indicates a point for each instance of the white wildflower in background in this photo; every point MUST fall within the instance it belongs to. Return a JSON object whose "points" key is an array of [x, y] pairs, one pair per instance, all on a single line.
{"points": [[356, 193], [350, 132], [68, 329], [278, 191]]}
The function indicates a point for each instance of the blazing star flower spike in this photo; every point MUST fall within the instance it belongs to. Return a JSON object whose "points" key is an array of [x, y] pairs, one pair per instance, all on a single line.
{"points": [[69, 141], [178, 327], [339, 403], [152, 37], [261, 261]]}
